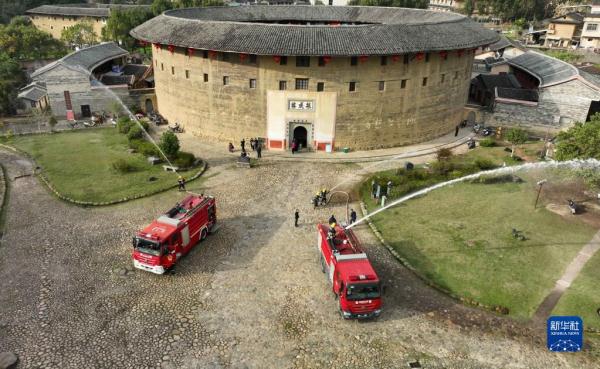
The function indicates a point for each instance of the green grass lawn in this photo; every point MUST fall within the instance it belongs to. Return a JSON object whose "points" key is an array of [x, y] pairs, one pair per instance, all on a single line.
{"points": [[583, 297], [460, 238], [78, 163], [497, 154]]}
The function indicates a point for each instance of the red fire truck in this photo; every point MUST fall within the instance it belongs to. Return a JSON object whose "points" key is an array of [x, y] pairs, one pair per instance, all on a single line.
{"points": [[350, 273], [157, 247]]}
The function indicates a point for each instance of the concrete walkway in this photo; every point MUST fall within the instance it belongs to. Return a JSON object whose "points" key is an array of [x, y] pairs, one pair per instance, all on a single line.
{"points": [[197, 145], [572, 271]]}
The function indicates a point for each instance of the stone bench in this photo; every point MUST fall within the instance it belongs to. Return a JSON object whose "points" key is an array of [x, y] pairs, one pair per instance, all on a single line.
{"points": [[153, 160], [170, 168]]}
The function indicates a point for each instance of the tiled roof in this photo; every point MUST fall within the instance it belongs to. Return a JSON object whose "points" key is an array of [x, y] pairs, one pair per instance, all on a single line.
{"points": [[136, 70], [116, 80], [87, 58], [570, 18], [82, 10], [364, 30], [501, 44], [34, 92], [547, 70], [517, 94], [491, 81]]}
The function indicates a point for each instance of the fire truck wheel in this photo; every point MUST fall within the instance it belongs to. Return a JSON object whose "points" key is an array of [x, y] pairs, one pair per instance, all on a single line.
{"points": [[342, 312], [203, 234]]}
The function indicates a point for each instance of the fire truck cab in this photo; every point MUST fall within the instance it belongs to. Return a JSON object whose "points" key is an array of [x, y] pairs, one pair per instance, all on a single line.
{"points": [[353, 280], [159, 246]]}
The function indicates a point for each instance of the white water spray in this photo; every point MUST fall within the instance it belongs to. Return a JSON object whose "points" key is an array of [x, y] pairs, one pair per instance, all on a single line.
{"points": [[571, 164], [131, 115]]}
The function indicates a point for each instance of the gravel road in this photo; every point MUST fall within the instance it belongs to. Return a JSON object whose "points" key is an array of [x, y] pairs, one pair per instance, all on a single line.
{"points": [[251, 296]]}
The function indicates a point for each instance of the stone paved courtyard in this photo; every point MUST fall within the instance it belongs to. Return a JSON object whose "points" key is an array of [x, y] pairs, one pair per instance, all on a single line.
{"points": [[251, 296]]}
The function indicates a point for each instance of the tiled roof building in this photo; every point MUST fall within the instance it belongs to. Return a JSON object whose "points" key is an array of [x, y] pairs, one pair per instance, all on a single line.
{"points": [[325, 77]]}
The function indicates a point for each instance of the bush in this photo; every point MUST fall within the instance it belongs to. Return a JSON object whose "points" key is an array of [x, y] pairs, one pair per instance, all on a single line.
{"points": [[487, 142], [144, 125], [442, 167], [506, 178], [123, 166], [135, 133], [52, 122], [124, 124], [456, 174], [444, 154], [184, 160], [169, 144], [484, 164], [144, 147]]}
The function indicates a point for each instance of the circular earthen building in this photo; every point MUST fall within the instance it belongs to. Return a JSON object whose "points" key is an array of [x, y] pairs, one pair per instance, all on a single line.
{"points": [[325, 76]]}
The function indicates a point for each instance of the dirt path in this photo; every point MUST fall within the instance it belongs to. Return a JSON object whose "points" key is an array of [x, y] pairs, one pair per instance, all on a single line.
{"points": [[545, 309], [252, 296]]}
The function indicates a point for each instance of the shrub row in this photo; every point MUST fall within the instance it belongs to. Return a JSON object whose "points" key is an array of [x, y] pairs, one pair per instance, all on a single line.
{"points": [[407, 181]]}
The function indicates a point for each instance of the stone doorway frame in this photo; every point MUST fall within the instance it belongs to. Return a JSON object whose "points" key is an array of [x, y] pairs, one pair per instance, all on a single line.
{"points": [[310, 132]]}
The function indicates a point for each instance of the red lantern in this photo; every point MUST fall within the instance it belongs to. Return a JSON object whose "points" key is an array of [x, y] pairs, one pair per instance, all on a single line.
{"points": [[327, 59], [212, 54], [459, 52], [158, 46], [190, 52], [334, 24], [443, 54], [363, 58], [171, 48], [143, 43], [419, 56], [395, 58], [243, 57], [277, 59]]}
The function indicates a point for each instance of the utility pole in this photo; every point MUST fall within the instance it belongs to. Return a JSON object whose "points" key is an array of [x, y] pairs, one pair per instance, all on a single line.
{"points": [[540, 184]]}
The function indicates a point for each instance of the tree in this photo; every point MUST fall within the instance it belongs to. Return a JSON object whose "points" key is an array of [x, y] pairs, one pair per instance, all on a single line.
{"points": [[444, 154], [169, 144], [22, 41], [469, 7], [115, 108], [52, 122], [516, 136], [581, 141], [79, 35], [121, 22], [11, 77], [159, 6]]}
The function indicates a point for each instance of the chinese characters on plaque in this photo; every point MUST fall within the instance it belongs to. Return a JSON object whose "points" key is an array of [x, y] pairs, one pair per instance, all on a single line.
{"points": [[302, 105]]}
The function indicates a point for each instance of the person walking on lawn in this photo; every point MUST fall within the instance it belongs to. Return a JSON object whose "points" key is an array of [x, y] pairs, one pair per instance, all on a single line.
{"points": [[296, 217]]}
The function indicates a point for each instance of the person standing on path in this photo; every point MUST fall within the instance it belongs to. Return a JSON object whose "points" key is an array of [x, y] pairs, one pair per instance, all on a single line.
{"points": [[181, 183], [456, 131], [243, 144], [258, 150], [373, 189], [352, 216], [252, 144], [296, 217]]}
